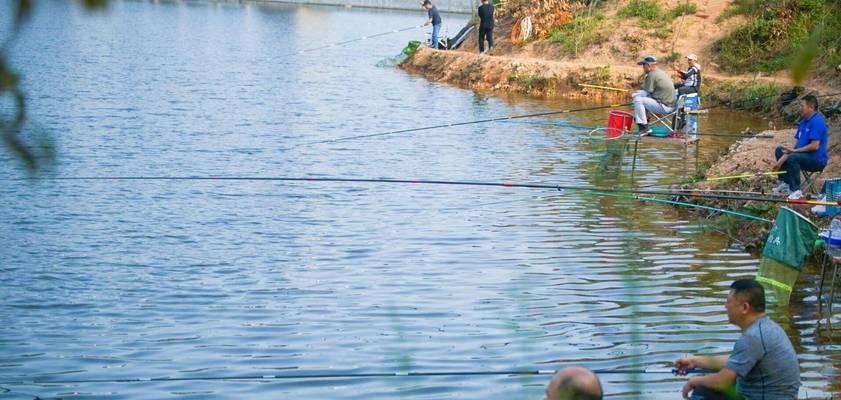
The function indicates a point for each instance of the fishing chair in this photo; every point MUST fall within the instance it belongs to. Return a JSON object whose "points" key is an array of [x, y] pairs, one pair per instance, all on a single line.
{"points": [[678, 121], [809, 185]]}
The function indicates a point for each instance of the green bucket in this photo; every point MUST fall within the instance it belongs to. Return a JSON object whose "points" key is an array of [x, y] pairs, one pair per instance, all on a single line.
{"points": [[411, 48]]}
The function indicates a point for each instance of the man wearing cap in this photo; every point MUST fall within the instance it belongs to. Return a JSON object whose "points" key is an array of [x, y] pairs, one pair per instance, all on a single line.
{"points": [[691, 77], [657, 94], [434, 19]]}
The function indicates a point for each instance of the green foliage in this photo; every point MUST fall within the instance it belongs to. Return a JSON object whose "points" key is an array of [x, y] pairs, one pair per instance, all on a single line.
{"points": [[681, 10], [663, 32], [36, 149], [671, 57], [644, 9], [652, 16], [579, 33], [648, 11], [802, 34]]}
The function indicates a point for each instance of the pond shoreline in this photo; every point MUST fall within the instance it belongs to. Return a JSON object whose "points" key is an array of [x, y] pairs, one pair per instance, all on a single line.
{"points": [[562, 79]]}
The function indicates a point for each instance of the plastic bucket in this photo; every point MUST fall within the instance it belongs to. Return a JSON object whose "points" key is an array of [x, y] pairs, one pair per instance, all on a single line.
{"points": [[618, 123], [832, 243]]}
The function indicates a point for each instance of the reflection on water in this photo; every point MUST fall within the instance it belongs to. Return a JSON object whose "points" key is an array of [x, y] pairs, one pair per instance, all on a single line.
{"points": [[128, 279]]}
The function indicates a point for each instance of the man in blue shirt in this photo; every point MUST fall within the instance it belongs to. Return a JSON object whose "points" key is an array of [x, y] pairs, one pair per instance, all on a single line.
{"points": [[434, 19], [763, 364], [809, 154]]}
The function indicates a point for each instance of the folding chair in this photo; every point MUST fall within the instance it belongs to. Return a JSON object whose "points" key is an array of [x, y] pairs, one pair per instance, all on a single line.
{"points": [[679, 122], [810, 181]]}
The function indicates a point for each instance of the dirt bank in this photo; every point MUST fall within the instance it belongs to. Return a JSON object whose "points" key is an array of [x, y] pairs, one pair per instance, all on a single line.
{"points": [[552, 78], [753, 155]]}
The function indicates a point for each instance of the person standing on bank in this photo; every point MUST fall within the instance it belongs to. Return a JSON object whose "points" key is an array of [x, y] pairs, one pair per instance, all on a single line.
{"points": [[486, 25], [434, 19]]}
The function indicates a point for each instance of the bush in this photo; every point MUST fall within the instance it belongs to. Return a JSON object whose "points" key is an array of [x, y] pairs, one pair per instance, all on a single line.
{"points": [[775, 34], [579, 33], [647, 10], [682, 9], [651, 15]]}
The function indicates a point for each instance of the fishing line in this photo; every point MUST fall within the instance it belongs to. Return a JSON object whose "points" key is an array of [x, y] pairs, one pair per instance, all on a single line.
{"points": [[424, 182], [452, 124], [337, 375], [359, 39]]}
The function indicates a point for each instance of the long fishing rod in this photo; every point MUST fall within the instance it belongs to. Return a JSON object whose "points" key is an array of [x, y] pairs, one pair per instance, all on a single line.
{"points": [[424, 182], [481, 121], [339, 375], [359, 39], [748, 175], [719, 178], [451, 124], [685, 204]]}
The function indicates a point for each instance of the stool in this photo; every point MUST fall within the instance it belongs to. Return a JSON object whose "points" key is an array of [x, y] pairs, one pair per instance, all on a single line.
{"points": [[810, 181]]}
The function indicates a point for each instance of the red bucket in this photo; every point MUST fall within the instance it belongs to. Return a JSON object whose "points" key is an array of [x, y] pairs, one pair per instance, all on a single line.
{"points": [[618, 123]]}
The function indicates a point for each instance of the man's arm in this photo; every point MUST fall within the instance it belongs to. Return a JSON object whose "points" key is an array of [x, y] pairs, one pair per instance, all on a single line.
{"points": [[813, 145], [714, 363], [721, 381], [428, 21]]}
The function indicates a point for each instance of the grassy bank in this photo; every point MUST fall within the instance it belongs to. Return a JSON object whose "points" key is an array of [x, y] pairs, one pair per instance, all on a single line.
{"points": [[777, 33]]}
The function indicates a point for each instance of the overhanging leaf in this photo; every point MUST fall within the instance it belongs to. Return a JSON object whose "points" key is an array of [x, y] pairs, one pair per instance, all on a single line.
{"points": [[24, 7], [803, 60]]}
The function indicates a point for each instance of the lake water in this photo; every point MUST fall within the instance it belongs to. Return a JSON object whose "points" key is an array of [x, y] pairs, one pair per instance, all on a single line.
{"points": [[119, 279]]}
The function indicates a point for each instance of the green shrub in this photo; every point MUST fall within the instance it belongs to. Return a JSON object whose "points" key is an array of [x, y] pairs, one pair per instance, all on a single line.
{"points": [[579, 33], [775, 33], [682, 9], [646, 10], [651, 15]]}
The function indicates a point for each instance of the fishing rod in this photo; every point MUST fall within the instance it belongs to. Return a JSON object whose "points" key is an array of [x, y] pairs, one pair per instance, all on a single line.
{"points": [[720, 178], [452, 124], [359, 39], [339, 375], [748, 175], [685, 204], [567, 111], [614, 89], [424, 182]]}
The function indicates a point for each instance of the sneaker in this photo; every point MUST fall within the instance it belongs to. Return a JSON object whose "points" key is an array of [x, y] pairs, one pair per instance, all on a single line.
{"points": [[780, 189], [796, 195]]}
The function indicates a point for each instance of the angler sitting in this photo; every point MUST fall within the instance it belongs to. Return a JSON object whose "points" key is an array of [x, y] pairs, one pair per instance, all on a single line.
{"points": [[763, 364], [809, 152], [691, 77], [574, 383], [657, 94]]}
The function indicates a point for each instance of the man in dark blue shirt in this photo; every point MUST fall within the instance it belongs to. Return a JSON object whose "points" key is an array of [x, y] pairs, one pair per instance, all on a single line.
{"points": [[486, 25], [809, 154], [434, 19]]}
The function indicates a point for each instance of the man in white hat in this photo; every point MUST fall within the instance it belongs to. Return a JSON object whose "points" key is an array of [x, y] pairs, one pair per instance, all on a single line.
{"points": [[691, 77], [657, 94]]}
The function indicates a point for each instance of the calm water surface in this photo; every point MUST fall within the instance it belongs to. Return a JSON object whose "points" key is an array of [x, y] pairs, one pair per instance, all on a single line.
{"points": [[131, 279]]}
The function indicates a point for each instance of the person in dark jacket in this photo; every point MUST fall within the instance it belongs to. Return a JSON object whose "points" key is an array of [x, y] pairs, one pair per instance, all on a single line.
{"points": [[434, 19], [486, 25]]}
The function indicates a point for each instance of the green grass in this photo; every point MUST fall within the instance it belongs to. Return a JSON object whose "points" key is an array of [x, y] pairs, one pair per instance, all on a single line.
{"points": [[648, 11], [776, 33], [682, 9], [671, 57], [651, 15], [579, 33]]}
